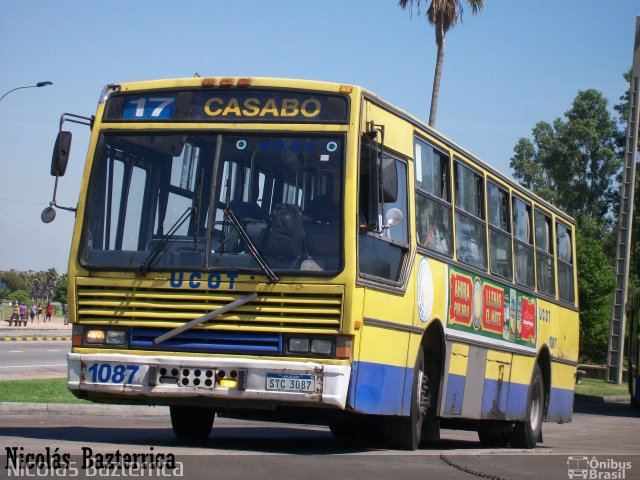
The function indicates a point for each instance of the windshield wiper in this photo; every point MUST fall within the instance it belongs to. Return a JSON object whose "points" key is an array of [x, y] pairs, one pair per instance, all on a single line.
{"points": [[164, 241], [264, 266]]}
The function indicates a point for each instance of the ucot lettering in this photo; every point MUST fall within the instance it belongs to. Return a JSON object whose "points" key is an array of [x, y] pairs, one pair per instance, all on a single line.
{"points": [[212, 281]]}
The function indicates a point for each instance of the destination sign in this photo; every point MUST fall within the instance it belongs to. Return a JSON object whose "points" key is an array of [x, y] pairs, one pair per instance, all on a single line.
{"points": [[229, 106]]}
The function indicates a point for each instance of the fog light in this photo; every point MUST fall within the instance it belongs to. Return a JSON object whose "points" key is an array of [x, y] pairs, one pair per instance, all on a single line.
{"points": [[320, 346], [94, 336], [299, 345], [228, 383], [116, 337]]}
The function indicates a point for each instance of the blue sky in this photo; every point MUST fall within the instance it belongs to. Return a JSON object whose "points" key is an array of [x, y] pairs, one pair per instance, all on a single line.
{"points": [[516, 63]]}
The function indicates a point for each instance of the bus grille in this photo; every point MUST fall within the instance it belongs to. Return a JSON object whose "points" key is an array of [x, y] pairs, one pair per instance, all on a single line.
{"points": [[207, 341], [314, 309]]}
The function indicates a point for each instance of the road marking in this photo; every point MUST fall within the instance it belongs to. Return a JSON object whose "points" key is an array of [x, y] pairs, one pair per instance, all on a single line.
{"points": [[33, 366], [16, 351], [54, 350]]}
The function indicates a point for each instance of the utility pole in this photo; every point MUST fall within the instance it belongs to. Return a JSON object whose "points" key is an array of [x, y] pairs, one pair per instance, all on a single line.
{"points": [[615, 354]]}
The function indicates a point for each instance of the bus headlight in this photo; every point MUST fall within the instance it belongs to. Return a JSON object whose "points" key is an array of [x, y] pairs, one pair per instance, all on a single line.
{"points": [[321, 346], [116, 337], [94, 336], [299, 345], [98, 336]]}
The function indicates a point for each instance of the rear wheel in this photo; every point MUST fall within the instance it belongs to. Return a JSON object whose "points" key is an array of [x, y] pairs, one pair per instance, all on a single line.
{"points": [[526, 434], [191, 423], [404, 433]]}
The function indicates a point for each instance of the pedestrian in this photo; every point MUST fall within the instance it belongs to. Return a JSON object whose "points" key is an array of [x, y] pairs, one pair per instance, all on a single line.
{"points": [[39, 312], [15, 316], [32, 312], [23, 313], [49, 311]]}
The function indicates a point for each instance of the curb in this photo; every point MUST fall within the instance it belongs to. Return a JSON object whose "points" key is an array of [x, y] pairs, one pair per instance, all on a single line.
{"points": [[17, 408], [590, 400], [35, 338]]}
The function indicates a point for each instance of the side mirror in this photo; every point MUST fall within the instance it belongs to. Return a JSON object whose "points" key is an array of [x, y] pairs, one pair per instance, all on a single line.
{"points": [[60, 156]]}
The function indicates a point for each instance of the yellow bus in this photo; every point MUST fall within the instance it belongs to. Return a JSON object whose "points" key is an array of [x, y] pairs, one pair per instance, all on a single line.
{"points": [[305, 251]]}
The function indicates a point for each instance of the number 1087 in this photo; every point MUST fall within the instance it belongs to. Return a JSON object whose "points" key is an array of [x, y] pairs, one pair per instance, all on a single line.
{"points": [[107, 373]]}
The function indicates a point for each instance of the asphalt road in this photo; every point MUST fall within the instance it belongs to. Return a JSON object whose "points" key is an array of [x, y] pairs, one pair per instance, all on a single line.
{"points": [[33, 359], [238, 449]]}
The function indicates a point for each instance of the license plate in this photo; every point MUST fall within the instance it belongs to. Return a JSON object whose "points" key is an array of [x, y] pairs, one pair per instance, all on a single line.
{"points": [[113, 373], [286, 382]]}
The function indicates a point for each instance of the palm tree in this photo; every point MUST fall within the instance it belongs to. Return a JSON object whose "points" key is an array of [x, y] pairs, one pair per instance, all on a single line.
{"points": [[443, 15]]}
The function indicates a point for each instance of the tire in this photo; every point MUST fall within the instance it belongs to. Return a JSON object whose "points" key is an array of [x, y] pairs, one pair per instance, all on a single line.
{"points": [[493, 439], [405, 433], [191, 423], [526, 434]]}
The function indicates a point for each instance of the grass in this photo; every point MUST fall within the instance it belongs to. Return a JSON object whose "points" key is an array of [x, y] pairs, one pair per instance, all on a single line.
{"points": [[600, 388], [50, 390]]}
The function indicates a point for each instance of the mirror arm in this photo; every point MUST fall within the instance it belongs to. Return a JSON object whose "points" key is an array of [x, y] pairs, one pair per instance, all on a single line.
{"points": [[53, 202]]}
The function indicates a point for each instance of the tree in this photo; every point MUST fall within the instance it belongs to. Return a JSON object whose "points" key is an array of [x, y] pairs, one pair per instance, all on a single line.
{"points": [[21, 296], [573, 162], [596, 282], [13, 280], [443, 15], [60, 293], [43, 285]]}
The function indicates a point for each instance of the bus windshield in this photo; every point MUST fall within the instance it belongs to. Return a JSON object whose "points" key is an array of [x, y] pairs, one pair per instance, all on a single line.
{"points": [[162, 196]]}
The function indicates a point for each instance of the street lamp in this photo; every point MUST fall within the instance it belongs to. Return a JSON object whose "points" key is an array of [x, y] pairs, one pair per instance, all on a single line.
{"points": [[37, 85]]}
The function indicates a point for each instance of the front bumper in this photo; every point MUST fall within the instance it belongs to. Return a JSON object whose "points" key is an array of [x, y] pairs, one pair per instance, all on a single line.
{"points": [[155, 383]]}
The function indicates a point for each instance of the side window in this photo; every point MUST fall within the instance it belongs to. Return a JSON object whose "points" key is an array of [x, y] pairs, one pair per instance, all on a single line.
{"points": [[544, 254], [523, 243], [499, 231], [381, 254], [433, 199], [565, 263], [471, 245]]}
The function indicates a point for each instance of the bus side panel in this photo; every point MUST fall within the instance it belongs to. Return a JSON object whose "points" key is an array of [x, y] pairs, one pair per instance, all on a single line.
{"points": [[497, 383], [521, 371], [560, 406], [455, 379], [382, 380]]}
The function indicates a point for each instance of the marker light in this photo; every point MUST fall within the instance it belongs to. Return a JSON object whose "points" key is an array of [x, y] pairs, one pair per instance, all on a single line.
{"points": [[208, 82], [244, 82], [346, 89], [226, 82], [344, 347]]}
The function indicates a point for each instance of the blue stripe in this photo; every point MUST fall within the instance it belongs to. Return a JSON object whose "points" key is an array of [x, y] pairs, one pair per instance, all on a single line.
{"points": [[509, 402], [560, 405], [495, 395], [455, 394], [380, 389]]}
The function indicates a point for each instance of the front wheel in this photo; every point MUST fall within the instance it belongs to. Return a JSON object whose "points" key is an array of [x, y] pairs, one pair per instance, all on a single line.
{"points": [[526, 434], [405, 433], [191, 423]]}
